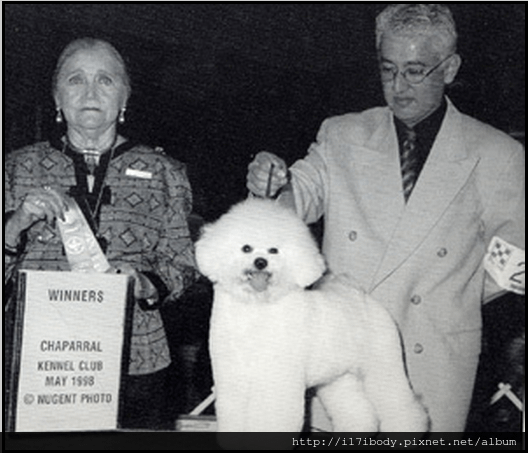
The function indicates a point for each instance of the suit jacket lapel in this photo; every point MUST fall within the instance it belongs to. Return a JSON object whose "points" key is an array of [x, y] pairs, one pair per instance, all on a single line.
{"points": [[445, 173], [376, 164]]}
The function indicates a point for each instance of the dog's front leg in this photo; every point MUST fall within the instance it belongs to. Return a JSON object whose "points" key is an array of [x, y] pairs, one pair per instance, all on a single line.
{"points": [[277, 404], [229, 360], [230, 407]]}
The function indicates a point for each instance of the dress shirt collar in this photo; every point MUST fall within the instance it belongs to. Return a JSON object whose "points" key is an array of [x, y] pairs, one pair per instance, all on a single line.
{"points": [[426, 130]]}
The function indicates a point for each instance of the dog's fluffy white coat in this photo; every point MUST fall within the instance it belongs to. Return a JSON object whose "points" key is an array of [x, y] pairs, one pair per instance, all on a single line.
{"points": [[271, 338]]}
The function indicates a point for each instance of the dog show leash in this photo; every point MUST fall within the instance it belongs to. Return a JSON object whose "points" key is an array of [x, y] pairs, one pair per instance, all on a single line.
{"points": [[270, 176]]}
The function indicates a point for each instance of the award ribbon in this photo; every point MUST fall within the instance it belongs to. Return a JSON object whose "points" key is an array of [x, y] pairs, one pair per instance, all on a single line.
{"points": [[82, 249]]}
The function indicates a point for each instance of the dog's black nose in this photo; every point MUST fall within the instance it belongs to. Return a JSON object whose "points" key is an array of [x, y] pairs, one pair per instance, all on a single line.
{"points": [[261, 263]]}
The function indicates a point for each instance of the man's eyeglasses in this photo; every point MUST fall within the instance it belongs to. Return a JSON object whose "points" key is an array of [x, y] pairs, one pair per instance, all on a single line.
{"points": [[413, 75]]}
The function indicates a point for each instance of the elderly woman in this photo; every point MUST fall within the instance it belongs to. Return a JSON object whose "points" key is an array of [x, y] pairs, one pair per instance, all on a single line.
{"points": [[135, 198]]}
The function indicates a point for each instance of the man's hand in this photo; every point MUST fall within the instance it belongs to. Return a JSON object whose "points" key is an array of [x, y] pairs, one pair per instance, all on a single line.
{"points": [[143, 287], [267, 174]]}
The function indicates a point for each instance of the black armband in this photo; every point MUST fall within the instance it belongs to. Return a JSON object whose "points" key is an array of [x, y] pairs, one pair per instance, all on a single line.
{"points": [[162, 293], [148, 304]]}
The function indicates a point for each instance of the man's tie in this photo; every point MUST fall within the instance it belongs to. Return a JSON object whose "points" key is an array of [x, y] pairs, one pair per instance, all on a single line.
{"points": [[408, 160]]}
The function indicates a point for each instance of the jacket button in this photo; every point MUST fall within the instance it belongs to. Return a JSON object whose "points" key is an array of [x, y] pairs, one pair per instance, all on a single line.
{"points": [[353, 235], [418, 348], [442, 252], [416, 300]]}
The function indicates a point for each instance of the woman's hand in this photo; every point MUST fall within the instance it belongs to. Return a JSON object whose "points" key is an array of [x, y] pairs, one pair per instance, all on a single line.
{"points": [[143, 287], [42, 203], [259, 180]]}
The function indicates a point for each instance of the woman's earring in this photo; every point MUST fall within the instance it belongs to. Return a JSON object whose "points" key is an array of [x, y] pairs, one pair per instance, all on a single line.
{"points": [[58, 117], [121, 118]]}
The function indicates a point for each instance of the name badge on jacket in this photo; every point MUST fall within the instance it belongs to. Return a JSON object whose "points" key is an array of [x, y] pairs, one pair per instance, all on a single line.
{"points": [[138, 173]]}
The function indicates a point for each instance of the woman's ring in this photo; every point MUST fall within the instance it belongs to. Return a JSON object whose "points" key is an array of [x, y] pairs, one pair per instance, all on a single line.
{"points": [[40, 203]]}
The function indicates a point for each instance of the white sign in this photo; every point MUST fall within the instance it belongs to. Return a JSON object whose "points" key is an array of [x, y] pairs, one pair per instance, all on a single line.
{"points": [[71, 351]]}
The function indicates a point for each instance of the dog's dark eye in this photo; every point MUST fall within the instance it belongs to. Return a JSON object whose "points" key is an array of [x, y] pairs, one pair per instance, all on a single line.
{"points": [[247, 249], [273, 251]]}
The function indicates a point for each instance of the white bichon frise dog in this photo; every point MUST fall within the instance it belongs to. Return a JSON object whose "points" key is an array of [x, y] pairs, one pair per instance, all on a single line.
{"points": [[271, 338]]}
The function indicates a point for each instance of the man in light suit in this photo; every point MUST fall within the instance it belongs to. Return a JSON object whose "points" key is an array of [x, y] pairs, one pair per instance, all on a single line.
{"points": [[412, 196]]}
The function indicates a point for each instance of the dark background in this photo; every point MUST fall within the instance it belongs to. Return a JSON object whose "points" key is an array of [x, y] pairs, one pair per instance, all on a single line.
{"points": [[214, 83]]}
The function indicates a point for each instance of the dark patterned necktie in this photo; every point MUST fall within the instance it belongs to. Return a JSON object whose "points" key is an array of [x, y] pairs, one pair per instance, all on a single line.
{"points": [[408, 160]]}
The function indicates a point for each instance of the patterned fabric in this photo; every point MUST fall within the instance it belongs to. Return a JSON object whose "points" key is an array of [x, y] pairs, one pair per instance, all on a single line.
{"points": [[408, 163], [426, 132], [142, 220]]}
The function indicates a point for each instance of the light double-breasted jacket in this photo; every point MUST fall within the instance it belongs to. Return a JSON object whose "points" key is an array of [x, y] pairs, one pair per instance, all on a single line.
{"points": [[423, 260]]}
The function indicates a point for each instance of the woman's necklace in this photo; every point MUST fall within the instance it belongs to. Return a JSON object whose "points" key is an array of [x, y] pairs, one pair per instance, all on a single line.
{"points": [[89, 201], [92, 158], [91, 177]]}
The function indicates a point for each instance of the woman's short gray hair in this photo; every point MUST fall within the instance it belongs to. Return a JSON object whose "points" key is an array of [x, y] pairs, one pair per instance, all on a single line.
{"points": [[419, 19], [90, 43]]}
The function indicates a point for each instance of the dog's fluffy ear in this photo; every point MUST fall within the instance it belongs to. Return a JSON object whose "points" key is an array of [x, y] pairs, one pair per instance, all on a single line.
{"points": [[206, 258], [306, 264]]}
